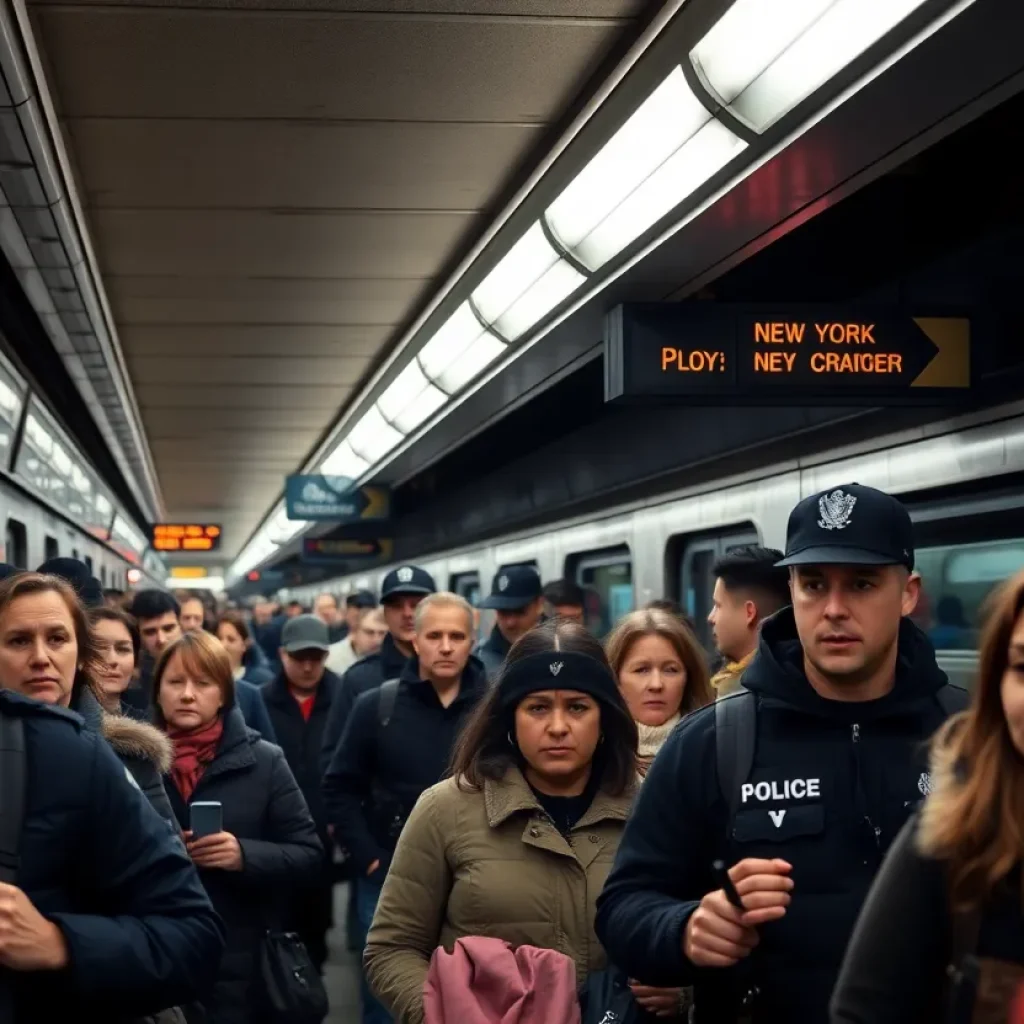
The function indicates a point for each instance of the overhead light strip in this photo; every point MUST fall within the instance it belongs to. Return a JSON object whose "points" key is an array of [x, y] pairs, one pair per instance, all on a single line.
{"points": [[667, 150]]}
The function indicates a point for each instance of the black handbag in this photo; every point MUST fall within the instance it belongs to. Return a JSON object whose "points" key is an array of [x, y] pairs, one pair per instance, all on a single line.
{"points": [[294, 991]]}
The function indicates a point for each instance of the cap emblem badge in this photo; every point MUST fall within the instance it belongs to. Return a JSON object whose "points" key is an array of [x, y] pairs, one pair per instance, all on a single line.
{"points": [[503, 583], [836, 509], [405, 575], [556, 667]]}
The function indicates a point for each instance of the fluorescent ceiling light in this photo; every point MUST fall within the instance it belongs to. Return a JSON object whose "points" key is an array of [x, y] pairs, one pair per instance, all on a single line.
{"points": [[373, 437], [762, 58], [211, 583], [343, 461], [530, 281], [680, 176], [410, 399], [473, 361], [660, 156], [442, 356]]}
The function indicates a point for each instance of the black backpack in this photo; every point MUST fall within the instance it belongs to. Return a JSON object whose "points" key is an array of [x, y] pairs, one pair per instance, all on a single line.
{"points": [[736, 737], [387, 694]]}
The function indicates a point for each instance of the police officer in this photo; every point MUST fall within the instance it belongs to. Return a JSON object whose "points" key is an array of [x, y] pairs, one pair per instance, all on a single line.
{"points": [[798, 784], [401, 592], [518, 601]]}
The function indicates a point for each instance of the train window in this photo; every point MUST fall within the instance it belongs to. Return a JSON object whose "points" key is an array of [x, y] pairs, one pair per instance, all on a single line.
{"points": [[467, 585], [88, 562], [103, 576], [956, 580], [607, 579], [17, 544], [74, 552], [12, 397], [696, 574], [51, 549]]}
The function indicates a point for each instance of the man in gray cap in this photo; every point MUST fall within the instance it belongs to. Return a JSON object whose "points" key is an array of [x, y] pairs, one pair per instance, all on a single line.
{"points": [[298, 701]]}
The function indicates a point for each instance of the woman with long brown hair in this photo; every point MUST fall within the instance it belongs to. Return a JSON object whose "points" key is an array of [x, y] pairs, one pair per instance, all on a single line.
{"points": [[941, 935], [661, 673]]}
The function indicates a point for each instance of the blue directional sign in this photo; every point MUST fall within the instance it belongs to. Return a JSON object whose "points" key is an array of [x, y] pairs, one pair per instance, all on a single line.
{"points": [[335, 498]]}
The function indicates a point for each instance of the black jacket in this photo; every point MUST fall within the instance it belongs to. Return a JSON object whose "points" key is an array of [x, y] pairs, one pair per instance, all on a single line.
{"points": [[895, 967], [377, 775], [264, 810], [99, 862], [366, 674], [302, 741], [492, 652], [862, 768]]}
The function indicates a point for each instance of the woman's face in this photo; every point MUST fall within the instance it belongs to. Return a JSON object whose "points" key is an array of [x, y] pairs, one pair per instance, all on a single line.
{"points": [[115, 660], [188, 700], [557, 732], [39, 648], [233, 643], [1012, 686], [652, 680]]}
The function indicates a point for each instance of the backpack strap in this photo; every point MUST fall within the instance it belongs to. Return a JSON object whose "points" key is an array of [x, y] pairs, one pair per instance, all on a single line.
{"points": [[387, 695], [952, 698], [12, 785], [735, 739]]}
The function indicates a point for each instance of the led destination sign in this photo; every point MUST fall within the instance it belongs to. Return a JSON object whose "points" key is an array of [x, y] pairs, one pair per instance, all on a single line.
{"points": [[723, 354], [186, 537]]}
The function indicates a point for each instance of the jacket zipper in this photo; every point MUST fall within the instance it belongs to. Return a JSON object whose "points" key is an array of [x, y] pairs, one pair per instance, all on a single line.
{"points": [[875, 830]]}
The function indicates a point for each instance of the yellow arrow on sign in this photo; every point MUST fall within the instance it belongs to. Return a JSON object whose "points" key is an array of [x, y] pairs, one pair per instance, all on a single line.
{"points": [[951, 365], [378, 503]]}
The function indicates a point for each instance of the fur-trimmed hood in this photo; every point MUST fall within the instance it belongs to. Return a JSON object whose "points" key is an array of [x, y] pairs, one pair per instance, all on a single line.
{"points": [[131, 738]]}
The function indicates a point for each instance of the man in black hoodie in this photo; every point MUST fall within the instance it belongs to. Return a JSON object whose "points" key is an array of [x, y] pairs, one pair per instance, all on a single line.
{"points": [[844, 691]]}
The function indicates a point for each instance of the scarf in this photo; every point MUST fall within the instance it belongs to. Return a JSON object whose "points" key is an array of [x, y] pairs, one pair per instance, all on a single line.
{"points": [[727, 680], [652, 738], [193, 751]]}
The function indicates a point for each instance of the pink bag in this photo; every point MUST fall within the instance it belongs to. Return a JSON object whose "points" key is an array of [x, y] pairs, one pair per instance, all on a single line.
{"points": [[486, 981]]}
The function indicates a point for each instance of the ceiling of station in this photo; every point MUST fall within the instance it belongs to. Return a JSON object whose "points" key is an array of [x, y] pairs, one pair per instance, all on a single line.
{"points": [[274, 188]]}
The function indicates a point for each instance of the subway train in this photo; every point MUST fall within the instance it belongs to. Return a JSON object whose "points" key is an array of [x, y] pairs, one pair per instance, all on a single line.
{"points": [[961, 478], [34, 532]]}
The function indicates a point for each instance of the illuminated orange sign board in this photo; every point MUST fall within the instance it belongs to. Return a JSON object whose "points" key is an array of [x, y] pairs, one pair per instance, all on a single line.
{"points": [[188, 572], [186, 537], [726, 354]]}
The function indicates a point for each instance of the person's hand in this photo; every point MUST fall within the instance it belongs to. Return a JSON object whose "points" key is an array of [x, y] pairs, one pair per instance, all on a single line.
{"points": [[221, 850], [28, 941], [661, 1002], [373, 867], [719, 934]]}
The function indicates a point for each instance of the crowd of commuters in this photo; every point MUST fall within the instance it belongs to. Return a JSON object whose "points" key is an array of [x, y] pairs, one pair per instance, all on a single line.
{"points": [[621, 822]]}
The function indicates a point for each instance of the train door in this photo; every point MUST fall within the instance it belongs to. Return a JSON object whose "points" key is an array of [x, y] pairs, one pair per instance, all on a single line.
{"points": [[696, 573], [606, 577]]}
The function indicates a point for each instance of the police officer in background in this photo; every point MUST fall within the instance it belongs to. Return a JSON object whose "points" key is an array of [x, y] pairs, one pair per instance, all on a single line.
{"points": [[797, 784], [401, 592], [518, 602]]}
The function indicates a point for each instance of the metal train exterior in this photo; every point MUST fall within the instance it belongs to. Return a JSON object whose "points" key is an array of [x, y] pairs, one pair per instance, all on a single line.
{"points": [[35, 532], [962, 478]]}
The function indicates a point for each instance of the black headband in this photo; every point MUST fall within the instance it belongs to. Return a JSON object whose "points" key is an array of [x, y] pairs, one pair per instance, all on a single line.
{"points": [[557, 670]]}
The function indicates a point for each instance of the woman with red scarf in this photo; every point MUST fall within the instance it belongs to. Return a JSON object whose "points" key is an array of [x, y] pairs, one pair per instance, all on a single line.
{"points": [[268, 843]]}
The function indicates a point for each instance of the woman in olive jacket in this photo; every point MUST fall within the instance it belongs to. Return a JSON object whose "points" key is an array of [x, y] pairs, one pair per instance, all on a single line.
{"points": [[518, 843]]}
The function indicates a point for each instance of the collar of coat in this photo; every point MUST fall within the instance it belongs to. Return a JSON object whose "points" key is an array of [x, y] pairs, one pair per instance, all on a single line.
{"points": [[512, 794]]}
